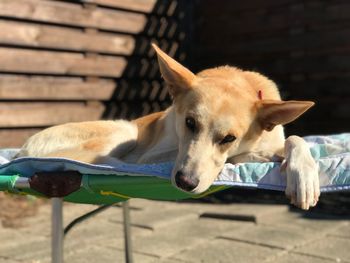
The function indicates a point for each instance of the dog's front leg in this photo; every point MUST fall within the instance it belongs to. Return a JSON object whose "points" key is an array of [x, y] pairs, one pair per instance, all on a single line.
{"points": [[302, 173]]}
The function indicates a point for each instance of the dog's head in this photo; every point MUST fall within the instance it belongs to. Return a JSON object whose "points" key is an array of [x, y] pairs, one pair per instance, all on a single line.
{"points": [[220, 113]]}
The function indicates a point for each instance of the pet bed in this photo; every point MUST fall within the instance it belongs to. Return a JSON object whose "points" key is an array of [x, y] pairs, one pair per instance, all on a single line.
{"points": [[102, 184]]}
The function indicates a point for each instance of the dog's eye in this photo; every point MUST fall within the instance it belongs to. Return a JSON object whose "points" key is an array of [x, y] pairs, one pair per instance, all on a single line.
{"points": [[227, 139], [190, 124]]}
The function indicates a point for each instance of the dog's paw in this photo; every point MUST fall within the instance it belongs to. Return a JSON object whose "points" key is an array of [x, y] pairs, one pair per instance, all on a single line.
{"points": [[302, 177]]}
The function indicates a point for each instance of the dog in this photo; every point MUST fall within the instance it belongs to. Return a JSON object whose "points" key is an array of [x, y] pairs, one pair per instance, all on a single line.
{"points": [[219, 115]]}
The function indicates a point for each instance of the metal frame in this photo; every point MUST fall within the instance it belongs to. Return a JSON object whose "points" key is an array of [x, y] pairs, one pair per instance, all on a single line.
{"points": [[58, 232], [127, 233]]}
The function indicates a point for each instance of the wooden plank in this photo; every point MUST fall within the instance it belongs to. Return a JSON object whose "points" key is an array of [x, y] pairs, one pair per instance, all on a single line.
{"points": [[38, 114], [15, 138], [73, 14], [50, 88], [145, 6], [35, 35], [35, 61]]}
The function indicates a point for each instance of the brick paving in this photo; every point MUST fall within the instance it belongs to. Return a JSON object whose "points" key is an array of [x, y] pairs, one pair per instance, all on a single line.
{"points": [[170, 232]]}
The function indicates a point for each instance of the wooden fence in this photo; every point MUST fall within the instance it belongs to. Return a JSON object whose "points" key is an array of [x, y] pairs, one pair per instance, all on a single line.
{"points": [[64, 61]]}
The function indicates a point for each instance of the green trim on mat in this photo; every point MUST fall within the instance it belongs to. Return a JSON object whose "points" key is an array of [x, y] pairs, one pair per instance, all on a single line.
{"points": [[7, 182], [109, 189], [85, 197]]}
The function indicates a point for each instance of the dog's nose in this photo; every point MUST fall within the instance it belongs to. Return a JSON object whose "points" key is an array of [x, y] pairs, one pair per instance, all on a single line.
{"points": [[184, 182]]}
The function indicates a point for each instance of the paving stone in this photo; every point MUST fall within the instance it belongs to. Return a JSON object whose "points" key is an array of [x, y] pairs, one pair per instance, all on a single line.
{"points": [[28, 243], [32, 242], [9, 234], [222, 250], [38, 224], [284, 237], [293, 258], [14, 241], [328, 247], [38, 250], [171, 240], [216, 227], [304, 221], [6, 260], [167, 241], [103, 254], [154, 219], [169, 260], [259, 212], [72, 211], [342, 231], [176, 234], [103, 236], [104, 224], [102, 232], [145, 204]]}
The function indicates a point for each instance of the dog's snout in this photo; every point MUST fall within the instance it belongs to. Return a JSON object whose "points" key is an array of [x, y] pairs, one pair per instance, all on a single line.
{"points": [[185, 182]]}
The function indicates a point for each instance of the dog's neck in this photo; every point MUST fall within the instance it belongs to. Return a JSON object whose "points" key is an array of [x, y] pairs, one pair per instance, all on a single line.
{"points": [[157, 139]]}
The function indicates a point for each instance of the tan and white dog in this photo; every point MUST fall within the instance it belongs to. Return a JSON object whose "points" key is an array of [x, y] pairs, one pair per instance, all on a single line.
{"points": [[219, 115]]}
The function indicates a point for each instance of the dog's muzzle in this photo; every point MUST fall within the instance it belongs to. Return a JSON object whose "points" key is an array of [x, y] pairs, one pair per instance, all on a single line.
{"points": [[184, 182]]}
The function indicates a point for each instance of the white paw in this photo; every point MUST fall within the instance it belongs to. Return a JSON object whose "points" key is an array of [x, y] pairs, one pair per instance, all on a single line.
{"points": [[303, 187]]}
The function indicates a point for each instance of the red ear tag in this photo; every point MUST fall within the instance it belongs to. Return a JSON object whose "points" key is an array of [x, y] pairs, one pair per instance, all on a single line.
{"points": [[260, 94]]}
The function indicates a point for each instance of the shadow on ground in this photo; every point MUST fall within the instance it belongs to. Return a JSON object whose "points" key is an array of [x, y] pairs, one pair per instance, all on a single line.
{"points": [[330, 205]]}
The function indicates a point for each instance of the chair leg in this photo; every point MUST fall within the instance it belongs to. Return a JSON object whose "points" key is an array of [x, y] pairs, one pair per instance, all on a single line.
{"points": [[127, 232], [57, 230]]}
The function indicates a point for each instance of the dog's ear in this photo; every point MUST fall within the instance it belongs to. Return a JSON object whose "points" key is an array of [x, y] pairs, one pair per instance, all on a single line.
{"points": [[177, 76], [274, 112]]}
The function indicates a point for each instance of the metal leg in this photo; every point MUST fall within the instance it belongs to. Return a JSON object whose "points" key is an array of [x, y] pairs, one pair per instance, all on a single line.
{"points": [[56, 230], [127, 233]]}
